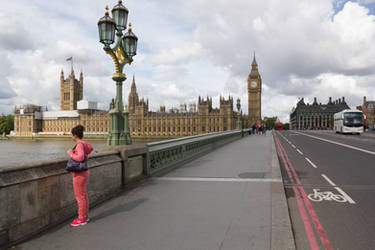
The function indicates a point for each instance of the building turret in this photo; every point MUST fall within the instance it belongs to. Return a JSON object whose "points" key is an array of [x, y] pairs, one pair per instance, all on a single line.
{"points": [[330, 101], [73, 94], [80, 96], [133, 98], [315, 101]]}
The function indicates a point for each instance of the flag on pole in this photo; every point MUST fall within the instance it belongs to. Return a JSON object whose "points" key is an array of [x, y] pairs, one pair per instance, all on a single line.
{"points": [[71, 61]]}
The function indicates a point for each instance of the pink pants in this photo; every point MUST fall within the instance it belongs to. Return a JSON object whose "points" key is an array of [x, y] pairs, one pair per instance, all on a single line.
{"points": [[79, 185]]}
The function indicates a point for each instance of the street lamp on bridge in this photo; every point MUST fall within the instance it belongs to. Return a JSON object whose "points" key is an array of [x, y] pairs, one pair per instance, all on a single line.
{"points": [[122, 53], [239, 125]]}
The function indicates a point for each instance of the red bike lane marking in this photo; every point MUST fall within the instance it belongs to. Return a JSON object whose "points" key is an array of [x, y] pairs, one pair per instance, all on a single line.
{"points": [[318, 226], [304, 216]]}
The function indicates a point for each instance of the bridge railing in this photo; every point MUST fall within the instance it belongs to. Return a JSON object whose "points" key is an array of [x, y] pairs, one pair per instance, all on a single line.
{"points": [[165, 154]]}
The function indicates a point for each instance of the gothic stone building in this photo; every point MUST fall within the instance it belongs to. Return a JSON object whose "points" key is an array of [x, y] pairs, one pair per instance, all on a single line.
{"points": [[200, 118], [315, 116], [37, 120]]}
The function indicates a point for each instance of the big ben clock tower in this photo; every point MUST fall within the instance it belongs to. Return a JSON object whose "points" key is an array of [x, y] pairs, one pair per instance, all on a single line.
{"points": [[254, 86]]}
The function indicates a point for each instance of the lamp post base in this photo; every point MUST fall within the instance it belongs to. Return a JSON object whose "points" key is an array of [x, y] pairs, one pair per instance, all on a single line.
{"points": [[238, 125], [117, 135]]}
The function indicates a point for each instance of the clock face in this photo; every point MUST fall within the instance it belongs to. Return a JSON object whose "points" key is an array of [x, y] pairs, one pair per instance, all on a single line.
{"points": [[253, 84]]}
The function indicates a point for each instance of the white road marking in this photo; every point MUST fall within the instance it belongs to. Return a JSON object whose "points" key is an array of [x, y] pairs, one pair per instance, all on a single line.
{"points": [[299, 151], [312, 164], [347, 197], [328, 180], [203, 179], [340, 144], [293, 146]]}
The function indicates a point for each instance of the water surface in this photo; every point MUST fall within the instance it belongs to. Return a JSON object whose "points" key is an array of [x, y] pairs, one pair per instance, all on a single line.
{"points": [[15, 152]]}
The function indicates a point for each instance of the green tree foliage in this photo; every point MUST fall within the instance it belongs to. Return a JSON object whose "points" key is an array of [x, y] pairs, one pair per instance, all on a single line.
{"points": [[331, 121], [286, 126], [6, 123], [270, 122]]}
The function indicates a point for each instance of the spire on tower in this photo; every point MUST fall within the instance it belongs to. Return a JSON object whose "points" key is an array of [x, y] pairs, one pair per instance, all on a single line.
{"points": [[133, 88], [254, 60], [72, 72], [254, 68]]}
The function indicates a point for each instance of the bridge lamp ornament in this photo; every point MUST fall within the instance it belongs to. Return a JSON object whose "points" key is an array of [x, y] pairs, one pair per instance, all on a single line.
{"points": [[122, 53]]}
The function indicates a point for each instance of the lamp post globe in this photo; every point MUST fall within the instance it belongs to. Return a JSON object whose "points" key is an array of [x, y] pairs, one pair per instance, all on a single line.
{"points": [[130, 42], [106, 26], [120, 16]]}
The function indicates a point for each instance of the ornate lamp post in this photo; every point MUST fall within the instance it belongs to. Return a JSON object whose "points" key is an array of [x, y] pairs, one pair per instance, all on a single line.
{"points": [[239, 125], [122, 53]]}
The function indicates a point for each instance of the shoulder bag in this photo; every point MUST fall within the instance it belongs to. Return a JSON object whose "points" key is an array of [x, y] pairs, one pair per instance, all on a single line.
{"points": [[76, 166]]}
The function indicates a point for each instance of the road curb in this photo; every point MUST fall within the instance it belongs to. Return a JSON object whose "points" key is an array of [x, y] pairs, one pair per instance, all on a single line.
{"points": [[281, 230]]}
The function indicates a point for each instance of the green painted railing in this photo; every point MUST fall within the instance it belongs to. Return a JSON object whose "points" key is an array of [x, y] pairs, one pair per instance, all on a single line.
{"points": [[165, 154]]}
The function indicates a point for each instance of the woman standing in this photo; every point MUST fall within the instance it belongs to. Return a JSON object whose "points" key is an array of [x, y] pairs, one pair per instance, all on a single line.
{"points": [[80, 153]]}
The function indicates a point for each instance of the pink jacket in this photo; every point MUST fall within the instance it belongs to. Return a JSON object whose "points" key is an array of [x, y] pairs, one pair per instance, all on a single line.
{"points": [[78, 152]]}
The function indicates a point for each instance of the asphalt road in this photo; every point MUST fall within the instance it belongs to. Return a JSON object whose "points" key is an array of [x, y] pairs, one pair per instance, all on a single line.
{"points": [[341, 166]]}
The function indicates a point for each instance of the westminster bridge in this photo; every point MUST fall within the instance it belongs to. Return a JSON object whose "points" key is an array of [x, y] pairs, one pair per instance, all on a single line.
{"points": [[215, 191]]}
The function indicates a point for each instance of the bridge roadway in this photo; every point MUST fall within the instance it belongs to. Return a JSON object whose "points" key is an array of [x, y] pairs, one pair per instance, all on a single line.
{"points": [[231, 198], [343, 165]]}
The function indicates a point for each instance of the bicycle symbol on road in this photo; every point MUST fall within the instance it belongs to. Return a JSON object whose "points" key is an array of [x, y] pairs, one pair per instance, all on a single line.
{"points": [[326, 196]]}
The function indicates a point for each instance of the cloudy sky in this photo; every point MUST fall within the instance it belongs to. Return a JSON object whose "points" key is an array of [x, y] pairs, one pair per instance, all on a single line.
{"points": [[189, 48]]}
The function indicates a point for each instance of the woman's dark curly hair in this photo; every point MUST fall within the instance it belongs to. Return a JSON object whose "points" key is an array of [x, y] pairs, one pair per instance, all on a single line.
{"points": [[78, 131]]}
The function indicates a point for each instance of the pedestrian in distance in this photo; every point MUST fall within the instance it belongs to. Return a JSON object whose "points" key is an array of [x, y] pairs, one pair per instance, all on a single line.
{"points": [[253, 129], [77, 165]]}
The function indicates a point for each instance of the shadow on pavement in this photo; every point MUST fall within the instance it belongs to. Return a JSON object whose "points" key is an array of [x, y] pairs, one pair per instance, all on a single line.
{"points": [[119, 209]]}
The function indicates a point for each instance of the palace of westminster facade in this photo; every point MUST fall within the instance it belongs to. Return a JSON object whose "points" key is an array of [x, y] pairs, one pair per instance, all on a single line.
{"points": [[32, 120]]}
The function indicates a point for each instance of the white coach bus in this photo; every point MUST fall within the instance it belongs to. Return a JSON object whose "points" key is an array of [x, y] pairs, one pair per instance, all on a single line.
{"points": [[349, 121]]}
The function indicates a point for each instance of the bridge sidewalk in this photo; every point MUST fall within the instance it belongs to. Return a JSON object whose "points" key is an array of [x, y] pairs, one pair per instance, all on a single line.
{"points": [[231, 198]]}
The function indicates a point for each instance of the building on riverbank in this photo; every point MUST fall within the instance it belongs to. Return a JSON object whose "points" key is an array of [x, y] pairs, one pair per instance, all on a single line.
{"points": [[315, 115], [368, 109], [200, 118], [35, 120]]}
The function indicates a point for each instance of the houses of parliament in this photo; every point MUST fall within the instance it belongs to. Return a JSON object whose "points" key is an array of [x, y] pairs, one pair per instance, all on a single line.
{"points": [[200, 118]]}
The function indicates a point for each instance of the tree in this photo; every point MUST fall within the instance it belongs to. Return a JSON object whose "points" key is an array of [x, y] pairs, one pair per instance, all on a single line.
{"points": [[271, 122], [331, 121], [286, 126], [6, 123]]}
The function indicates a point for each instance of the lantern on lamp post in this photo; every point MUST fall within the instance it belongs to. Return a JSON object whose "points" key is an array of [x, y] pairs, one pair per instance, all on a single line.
{"points": [[122, 53]]}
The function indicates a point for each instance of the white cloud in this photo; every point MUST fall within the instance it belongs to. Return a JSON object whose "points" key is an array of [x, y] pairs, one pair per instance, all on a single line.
{"points": [[179, 55], [191, 48]]}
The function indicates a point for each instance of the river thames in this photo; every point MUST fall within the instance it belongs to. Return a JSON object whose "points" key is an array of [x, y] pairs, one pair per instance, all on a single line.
{"points": [[16, 152]]}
